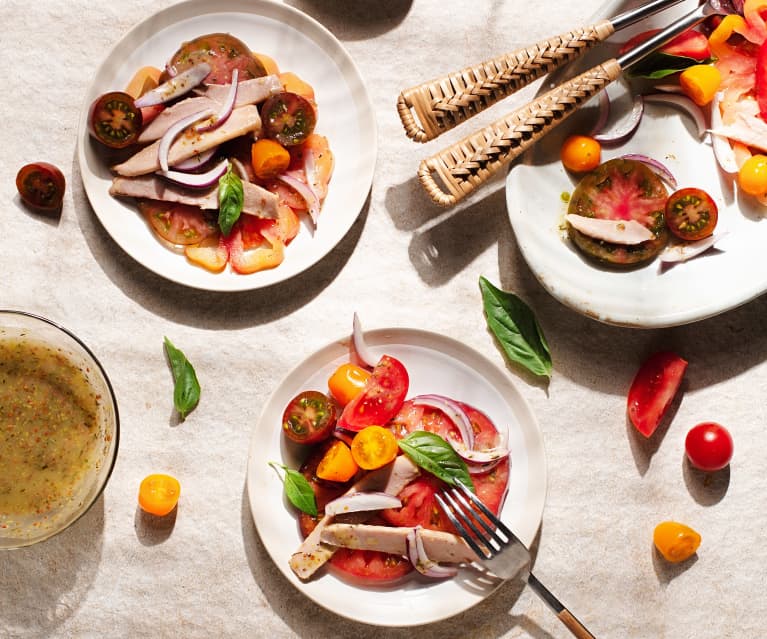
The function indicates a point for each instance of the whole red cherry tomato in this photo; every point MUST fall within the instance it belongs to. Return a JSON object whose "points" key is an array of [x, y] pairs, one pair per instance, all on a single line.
{"points": [[709, 446]]}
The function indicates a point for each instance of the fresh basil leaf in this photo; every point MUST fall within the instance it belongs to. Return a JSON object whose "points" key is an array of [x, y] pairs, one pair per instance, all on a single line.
{"points": [[433, 454], [230, 200], [298, 490], [659, 65], [516, 329], [186, 389]]}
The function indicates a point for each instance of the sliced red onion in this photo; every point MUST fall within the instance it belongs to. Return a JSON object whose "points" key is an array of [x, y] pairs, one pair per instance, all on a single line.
{"points": [[668, 88], [723, 152], [683, 102], [170, 135], [175, 87], [627, 128], [454, 411], [196, 161], [686, 251], [226, 108], [660, 169], [310, 197], [239, 169], [481, 457], [310, 170], [603, 114], [481, 469], [361, 501], [364, 354], [197, 180], [420, 560]]}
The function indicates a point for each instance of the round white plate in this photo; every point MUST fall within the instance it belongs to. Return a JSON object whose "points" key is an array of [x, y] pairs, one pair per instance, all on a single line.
{"points": [[649, 296], [436, 364], [299, 44]]}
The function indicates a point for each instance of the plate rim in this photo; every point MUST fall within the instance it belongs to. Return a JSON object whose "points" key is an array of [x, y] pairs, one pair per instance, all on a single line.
{"points": [[497, 379], [363, 166]]}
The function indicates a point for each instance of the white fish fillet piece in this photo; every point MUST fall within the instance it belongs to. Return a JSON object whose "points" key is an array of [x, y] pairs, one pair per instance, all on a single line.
{"points": [[257, 200], [313, 553], [248, 91], [626, 232], [243, 120], [440, 546]]}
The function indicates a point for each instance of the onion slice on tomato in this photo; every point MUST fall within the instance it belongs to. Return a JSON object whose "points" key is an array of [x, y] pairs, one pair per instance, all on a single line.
{"points": [[172, 133], [361, 502], [683, 102], [226, 108], [363, 351], [420, 560], [454, 411], [660, 169], [305, 191], [627, 128], [197, 180], [175, 87]]}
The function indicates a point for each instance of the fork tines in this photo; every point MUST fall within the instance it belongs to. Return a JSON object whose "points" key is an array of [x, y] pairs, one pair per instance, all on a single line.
{"points": [[467, 513]]}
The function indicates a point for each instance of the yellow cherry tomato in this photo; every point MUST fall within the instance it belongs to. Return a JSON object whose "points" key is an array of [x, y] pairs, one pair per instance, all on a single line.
{"points": [[269, 158], [337, 464], [700, 82], [675, 541], [347, 382], [752, 176], [580, 153], [374, 447], [158, 494]]}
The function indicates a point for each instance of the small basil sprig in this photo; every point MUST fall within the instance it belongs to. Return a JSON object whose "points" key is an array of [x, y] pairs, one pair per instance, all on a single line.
{"points": [[516, 329], [660, 65], [433, 454], [298, 490], [186, 390], [230, 200]]}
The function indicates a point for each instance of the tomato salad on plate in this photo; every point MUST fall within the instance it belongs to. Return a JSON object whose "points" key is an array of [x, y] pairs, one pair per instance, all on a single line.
{"points": [[219, 151], [374, 460]]}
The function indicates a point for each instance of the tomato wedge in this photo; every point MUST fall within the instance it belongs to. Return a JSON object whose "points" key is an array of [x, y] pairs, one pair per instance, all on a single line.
{"points": [[652, 390], [380, 400]]}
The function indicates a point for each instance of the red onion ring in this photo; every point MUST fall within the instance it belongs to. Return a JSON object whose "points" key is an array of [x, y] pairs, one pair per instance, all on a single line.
{"points": [[175, 87], [660, 169], [310, 197], [620, 135], [602, 116], [197, 180], [361, 501], [364, 354], [226, 108], [170, 135], [683, 102], [453, 411], [420, 560], [196, 161]]}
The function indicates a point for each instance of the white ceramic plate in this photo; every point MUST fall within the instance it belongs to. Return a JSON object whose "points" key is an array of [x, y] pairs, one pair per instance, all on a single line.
{"points": [[436, 364], [299, 44], [649, 296]]}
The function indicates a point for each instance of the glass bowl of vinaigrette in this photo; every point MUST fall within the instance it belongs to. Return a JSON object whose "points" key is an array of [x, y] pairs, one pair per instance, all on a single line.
{"points": [[59, 429]]}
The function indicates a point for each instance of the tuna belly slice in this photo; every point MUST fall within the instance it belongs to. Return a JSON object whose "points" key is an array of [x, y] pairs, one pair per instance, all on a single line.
{"points": [[242, 120]]}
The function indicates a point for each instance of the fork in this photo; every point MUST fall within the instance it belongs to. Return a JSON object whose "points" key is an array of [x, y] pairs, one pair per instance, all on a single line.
{"points": [[505, 555]]}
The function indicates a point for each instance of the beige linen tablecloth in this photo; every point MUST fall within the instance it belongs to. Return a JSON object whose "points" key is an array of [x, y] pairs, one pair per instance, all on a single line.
{"points": [[404, 263]]}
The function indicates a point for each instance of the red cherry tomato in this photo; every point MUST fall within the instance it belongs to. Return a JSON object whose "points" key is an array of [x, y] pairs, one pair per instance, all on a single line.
{"points": [[652, 390], [380, 400], [288, 118], [41, 185], [114, 120], [691, 214], [709, 446], [309, 417]]}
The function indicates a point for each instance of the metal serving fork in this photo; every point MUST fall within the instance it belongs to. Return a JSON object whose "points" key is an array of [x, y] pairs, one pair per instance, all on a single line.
{"points": [[503, 553]]}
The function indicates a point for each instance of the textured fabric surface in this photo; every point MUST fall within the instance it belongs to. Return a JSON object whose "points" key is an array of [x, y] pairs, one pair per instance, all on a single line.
{"points": [[404, 263]]}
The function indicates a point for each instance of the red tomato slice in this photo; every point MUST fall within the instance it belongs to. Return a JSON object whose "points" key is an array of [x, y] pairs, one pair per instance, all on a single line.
{"points": [[179, 224], [652, 390], [690, 44], [419, 506], [367, 566], [380, 400]]}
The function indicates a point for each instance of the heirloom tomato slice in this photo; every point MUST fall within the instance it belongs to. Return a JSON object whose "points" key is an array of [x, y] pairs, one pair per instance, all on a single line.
{"points": [[652, 390]]}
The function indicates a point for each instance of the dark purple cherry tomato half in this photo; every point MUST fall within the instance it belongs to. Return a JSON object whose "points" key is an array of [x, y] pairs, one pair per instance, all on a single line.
{"points": [[41, 185], [709, 446], [309, 417], [114, 120], [691, 214], [288, 118]]}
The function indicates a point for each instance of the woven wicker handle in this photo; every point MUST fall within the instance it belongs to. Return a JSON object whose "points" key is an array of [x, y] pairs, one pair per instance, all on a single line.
{"points": [[437, 106], [471, 161]]}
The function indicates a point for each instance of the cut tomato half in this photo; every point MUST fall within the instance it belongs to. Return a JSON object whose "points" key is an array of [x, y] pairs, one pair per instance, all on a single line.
{"points": [[653, 389]]}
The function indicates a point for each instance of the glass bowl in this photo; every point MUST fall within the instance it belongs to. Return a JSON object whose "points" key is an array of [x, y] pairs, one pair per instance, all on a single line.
{"points": [[59, 429]]}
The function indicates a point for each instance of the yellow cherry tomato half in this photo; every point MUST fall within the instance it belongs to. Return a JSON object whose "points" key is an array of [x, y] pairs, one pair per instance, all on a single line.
{"points": [[752, 176], [580, 153], [374, 447], [158, 494], [675, 541], [337, 464], [347, 382]]}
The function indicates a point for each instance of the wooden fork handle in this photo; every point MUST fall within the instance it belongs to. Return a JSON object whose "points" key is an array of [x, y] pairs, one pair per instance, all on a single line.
{"points": [[437, 106], [570, 621], [472, 161]]}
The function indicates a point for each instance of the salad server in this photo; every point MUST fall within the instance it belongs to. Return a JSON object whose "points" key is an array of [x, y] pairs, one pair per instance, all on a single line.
{"points": [[472, 161], [437, 106]]}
